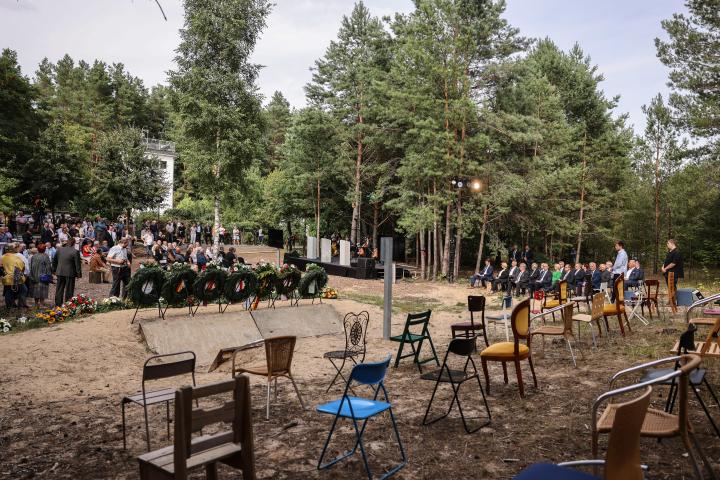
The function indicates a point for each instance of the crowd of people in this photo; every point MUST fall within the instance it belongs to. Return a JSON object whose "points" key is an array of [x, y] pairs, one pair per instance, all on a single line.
{"points": [[516, 277]]}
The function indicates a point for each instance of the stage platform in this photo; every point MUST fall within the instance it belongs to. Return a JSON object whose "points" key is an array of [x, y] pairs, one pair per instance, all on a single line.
{"points": [[214, 336], [334, 268]]}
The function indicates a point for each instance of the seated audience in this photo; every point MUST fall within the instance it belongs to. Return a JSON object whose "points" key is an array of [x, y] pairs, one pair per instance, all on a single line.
{"points": [[634, 274], [501, 281]]}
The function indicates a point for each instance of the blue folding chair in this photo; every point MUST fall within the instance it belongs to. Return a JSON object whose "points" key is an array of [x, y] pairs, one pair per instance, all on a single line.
{"points": [[358, 408]]}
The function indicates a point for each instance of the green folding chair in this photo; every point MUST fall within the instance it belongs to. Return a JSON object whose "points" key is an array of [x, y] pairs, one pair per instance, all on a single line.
{"points": [[417, 321]]}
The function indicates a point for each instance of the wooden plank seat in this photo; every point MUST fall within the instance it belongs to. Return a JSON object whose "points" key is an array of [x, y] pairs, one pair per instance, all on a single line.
{"points": [[706, 321], [232, 447], [712, 351], [151, 398], [205, 449]]}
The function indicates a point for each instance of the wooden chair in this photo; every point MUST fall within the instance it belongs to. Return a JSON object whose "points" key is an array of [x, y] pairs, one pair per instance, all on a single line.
{"points": [[617, 309], [476, 303], [278, 355], [703, 321], [595, 315], [155, 368], [622, 459], [514, 351], [414, 321], [355, 325], [658, 423], [560, 299], [652, 287], [232, 447], [565, 330]]}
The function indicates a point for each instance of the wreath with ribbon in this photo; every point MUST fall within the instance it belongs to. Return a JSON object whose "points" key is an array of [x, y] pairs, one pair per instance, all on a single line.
{"points": [[145, 286], [267, 276], [287, 280], [312, 283], [178, 285], [240, 286], [209, 284]]}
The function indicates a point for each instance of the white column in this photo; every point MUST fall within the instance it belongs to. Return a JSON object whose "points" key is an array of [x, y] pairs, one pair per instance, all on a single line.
{"points": [[325, 250], [311, 247], [344, 253]]}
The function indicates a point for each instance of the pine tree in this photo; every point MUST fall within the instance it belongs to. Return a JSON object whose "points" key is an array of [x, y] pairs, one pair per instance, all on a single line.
{"points": [[345, 82], [277, 119], [691, 54], [216, 97]]}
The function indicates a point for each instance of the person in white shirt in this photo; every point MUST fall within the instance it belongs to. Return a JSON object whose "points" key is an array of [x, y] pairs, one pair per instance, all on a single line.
{"points": [[20, 252], [620, 265], [117, 257]]}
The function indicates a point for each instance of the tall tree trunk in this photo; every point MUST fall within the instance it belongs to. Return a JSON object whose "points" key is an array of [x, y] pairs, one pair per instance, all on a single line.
{"points": [[481, 246], [582, 200], [446, 243], [357, 197], [376, 221], [423, 254], [216, 199], [316, 253], [656, 261], [458, 238], [430, 250]]}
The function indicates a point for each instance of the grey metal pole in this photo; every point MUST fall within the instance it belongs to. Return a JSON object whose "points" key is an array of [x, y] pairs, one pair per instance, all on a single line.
{"points": [[387, 255]]}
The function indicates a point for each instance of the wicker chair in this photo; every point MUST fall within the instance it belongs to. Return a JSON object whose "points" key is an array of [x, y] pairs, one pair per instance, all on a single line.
{"points": [[278, 353], [658, 423], [514, 351], [622, 460], [617, 309]]}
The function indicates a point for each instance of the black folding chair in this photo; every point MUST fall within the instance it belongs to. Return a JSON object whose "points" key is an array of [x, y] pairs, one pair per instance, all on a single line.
{"points": [[355, 325], [416, 320], [153, 370], [696, 378], [461, 347]]}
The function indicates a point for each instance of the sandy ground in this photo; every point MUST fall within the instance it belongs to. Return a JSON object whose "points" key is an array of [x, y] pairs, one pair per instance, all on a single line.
{"points": [[61, 388]]}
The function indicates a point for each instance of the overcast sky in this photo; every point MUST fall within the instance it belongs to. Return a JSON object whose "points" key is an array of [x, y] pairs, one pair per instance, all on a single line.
{"points": [[617, 34]]}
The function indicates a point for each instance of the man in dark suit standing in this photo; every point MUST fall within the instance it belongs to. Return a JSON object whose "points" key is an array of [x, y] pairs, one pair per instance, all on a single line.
{"points": [[527, 256], [66, 265], [515, 255]]}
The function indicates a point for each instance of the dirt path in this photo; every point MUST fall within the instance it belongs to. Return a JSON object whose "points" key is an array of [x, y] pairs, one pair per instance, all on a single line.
{"points": [[61, 387]]}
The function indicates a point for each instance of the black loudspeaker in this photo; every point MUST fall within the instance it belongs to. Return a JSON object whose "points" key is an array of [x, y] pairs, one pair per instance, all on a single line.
{"points": [[366, 268], [275, 238]]}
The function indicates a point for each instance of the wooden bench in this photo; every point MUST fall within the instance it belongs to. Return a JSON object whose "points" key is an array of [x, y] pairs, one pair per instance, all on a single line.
{"points": [[233, 448]]}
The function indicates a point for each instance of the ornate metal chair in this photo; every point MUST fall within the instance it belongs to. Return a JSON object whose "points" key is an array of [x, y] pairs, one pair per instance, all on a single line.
{"points": [[355, 325]]}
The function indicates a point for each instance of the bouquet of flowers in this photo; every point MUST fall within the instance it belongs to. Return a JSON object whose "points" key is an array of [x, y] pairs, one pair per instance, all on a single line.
{"points": [[80, 304], [5, 326], [111, 303], [329, 292], [55, 314]]}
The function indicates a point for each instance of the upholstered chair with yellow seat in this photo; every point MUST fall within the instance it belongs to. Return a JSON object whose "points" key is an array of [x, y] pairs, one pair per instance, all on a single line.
{"points": [[617, 309], [561, 298], [514, 351]]}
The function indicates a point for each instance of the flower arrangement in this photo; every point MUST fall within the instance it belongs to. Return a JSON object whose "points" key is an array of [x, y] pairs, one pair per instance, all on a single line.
{"points": [[5, 326], [313, 282], [80, 304], [111, 303], [329, 292], [55, 314]]}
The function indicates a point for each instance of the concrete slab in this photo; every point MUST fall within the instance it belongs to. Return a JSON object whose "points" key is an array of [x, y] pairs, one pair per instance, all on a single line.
{"points": [[204, 334], [303, 321]]}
